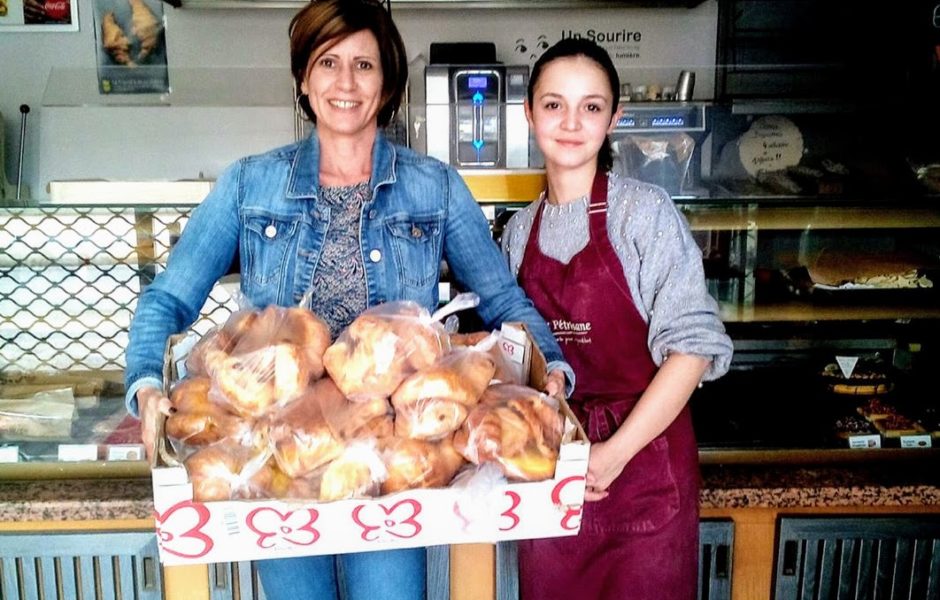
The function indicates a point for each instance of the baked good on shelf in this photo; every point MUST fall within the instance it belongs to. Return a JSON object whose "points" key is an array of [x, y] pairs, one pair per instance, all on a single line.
{"points": [[896, 425], [876, 408], [868, 378], [850, 425], [881, 270]]}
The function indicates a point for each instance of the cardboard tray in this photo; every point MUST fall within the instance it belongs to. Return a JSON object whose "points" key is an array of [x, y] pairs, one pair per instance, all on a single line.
{"points": [[190, 532]]}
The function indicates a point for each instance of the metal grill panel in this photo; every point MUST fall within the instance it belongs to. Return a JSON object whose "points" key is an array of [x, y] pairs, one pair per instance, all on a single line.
{"points": [[69, 282], [63, 566], [858, 558]]}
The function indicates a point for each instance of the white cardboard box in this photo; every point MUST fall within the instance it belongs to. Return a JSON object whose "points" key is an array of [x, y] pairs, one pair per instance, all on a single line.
{"points": [[191, 532]]}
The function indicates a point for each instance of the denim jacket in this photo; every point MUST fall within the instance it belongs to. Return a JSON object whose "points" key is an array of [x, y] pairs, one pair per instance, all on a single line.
{"points": [[265, 208]]}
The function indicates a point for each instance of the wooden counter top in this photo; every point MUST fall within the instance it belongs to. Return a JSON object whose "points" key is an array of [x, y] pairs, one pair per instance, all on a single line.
{"points": [[724, 486]]}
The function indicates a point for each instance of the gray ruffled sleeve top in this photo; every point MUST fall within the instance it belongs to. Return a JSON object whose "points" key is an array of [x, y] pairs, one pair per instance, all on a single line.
{"points": [[661, 262]]}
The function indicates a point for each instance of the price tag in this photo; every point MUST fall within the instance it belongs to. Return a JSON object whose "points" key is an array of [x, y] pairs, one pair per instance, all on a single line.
{"points": [[78, 452], [847, 365], [126, 452], [865, 441], [916, 441], [10, 454]]}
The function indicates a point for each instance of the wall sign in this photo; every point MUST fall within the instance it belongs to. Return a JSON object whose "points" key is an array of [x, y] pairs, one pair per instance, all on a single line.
{"points": [[38, 15]]}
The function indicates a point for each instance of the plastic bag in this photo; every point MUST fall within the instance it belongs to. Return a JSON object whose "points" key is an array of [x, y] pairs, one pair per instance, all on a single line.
{"points": [[660, 159], [434, 402], [300, 437], [356, 473], [419, 464], [515, 427], [386, 344], [196, 420], [272, 355], [46, 415], [224, 471]]}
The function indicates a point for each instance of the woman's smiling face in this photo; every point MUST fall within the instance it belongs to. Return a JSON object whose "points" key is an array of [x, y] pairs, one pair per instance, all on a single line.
{"points": [[344, 85], [572, 111]]}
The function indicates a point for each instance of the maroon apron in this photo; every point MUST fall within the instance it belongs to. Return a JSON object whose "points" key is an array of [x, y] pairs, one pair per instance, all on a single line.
{"points": [[642, 539]]}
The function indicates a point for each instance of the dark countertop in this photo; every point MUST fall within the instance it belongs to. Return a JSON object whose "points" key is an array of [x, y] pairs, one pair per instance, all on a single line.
{"points": [[724, 486]]}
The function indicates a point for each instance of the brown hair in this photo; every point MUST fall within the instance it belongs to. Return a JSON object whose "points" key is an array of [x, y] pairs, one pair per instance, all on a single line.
{"points": [[588, 49], [323, 23]]}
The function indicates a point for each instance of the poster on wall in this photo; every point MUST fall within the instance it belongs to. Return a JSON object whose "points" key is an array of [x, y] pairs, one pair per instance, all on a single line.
{"points": [[131, 47], [38, 15]]}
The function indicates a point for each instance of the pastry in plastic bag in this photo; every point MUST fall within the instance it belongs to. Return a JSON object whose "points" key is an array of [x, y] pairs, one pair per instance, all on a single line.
{"points": [[300, 436], [198, 421], [357, 473], [253, 383], [371, 418], [382, 347], [517, 428], [419, 464], [221, 471], [434, 402]]}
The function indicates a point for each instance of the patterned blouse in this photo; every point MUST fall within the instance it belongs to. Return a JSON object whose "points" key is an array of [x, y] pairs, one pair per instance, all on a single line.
{"points": [[339, 280]]}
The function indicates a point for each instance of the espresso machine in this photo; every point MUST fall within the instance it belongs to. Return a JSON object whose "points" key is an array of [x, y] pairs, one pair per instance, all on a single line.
{"points": [[474, 110]]}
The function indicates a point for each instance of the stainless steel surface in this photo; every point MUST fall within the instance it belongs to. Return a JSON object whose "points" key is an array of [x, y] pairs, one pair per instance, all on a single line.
{"points": [[475, 115], [685, 86]]}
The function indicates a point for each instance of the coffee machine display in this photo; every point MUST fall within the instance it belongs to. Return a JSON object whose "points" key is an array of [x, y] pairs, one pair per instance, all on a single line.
{"points": [[475, 115]]}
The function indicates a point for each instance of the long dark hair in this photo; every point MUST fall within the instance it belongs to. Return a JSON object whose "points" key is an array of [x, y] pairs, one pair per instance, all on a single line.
{"points": [[323, 23], [588, 49]]}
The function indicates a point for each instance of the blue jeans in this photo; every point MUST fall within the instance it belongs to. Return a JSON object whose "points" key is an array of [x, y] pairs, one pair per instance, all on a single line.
{"points": [[382, 575]]}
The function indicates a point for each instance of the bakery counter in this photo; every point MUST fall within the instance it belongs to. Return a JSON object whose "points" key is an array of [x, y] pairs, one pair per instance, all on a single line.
{"points": [[724, 486], [751, 496]]}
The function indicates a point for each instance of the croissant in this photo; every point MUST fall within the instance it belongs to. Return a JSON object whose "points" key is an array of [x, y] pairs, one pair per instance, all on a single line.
{"points": [[419, 464], [115, 41], [378, 350], [355, 474], [434, 401], [515, 428], [196, 420], [254, 382], [145, 27], [368, 418], [278, 325], [300, 436]]}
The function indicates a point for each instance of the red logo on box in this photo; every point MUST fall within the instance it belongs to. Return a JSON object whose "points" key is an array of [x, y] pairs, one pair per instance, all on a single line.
{"points": [[275, 528], [398, 520], [179, 530]]}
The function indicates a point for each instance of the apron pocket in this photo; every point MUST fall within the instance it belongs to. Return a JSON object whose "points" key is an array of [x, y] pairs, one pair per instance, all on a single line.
{"points": [[642, 500]]}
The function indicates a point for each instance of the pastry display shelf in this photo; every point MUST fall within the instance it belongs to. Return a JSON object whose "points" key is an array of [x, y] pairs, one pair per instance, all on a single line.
{"points": [[742, 215], [798, 310]]}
